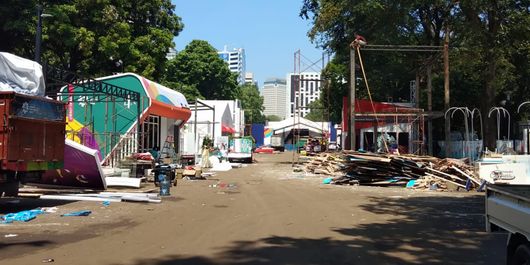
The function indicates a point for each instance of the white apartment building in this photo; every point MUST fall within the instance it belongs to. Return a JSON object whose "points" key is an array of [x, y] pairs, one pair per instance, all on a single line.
{"points": [[302, 91], [249, 78], [236, 62], [171, 54], [274, 94]]}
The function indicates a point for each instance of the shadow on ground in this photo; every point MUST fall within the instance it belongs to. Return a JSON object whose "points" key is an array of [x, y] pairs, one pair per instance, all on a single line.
{"points": [[13, 205], [421, 230], [33, 244]]}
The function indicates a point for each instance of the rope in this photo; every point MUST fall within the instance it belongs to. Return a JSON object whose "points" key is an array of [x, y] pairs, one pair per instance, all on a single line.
{"points": [[357, 47]]}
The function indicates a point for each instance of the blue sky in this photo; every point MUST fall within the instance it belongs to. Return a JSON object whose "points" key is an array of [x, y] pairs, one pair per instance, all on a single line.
{"points": [[270, 31]]}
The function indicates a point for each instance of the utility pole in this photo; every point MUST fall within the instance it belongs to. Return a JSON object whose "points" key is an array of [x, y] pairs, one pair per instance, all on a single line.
{"points": [[351, 118], [446, 92], [429, 107]]}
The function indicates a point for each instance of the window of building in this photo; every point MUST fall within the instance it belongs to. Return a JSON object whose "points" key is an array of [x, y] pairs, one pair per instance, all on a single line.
{"points": [[150, 137]]}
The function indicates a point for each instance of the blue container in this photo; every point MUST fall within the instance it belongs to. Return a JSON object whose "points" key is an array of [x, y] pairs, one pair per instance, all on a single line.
{"points": [[165, 184]]}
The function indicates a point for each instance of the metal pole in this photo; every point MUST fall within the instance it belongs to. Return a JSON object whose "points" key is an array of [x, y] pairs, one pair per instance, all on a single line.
{"points": [[195, 127], [38, 35], [213, 126], [429, 108], [138, 120], [446, 92], [351, 118]]}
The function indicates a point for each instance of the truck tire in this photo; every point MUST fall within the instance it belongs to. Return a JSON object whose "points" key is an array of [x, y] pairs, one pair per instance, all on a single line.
{"points": [[521, 255], [9, 189]]}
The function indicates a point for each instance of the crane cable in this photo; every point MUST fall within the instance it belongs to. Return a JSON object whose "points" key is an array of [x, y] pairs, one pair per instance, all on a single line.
{"points": [[358, 48]]}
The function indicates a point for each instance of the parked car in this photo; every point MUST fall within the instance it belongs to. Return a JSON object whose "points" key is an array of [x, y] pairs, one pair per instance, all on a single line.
{"points": [[264, 150]]}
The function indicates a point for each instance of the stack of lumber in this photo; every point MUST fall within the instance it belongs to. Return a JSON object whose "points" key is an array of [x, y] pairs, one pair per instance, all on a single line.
{"points": [[325, 163], [449, 172], [352, 168]]}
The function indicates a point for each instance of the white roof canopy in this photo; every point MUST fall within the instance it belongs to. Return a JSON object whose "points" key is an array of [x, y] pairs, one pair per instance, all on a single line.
{"points": [[295, 123]]}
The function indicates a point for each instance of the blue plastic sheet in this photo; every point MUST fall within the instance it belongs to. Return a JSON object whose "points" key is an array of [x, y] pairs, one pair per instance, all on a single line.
{"points": [[327, 180], [411, 183], [78, 213], [22, 216]]}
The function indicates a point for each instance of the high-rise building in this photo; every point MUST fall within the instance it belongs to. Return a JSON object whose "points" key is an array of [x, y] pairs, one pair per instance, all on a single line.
{"points": [[236, 62], [274, 94], [249, 78], [303, 88], [172, 53]]}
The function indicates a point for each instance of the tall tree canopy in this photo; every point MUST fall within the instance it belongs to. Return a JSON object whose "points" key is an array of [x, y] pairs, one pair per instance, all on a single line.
{"points": [[94, 36], [489, 47], [252, 103], [199, 67]]}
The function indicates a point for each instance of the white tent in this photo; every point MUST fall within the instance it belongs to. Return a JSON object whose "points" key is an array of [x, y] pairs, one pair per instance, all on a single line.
{"points": [[286, 125]]}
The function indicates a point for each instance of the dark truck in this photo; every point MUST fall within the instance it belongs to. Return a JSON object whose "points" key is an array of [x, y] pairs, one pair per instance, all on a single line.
{"points": [[508, 209], [32, 132]]}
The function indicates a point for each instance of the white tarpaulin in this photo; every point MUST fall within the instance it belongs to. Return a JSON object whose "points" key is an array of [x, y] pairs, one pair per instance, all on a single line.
{"points": [[20, 75]]}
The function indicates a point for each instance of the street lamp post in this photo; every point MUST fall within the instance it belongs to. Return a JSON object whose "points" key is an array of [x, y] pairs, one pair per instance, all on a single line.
{"points": [[38, 35]]}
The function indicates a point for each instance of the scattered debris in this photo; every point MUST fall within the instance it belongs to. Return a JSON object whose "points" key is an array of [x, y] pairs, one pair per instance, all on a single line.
{"points": [[23, 216], [11, 235], [417, 172], [78, 213], [327, 180], [49, 209], [223, 185], [123, 182], [107, 196], [47, 260]]}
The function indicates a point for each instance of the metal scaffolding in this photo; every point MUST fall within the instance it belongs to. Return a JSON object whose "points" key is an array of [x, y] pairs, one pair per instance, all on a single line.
{"points": [[416, 119], [89, 91]]}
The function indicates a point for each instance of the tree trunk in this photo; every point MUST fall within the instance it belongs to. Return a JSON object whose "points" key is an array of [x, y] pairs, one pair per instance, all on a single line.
{"points": [[489, 95]]}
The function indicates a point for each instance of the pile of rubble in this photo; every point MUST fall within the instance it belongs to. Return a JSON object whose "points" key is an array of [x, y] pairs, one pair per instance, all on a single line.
{"points": [[418, 172]]}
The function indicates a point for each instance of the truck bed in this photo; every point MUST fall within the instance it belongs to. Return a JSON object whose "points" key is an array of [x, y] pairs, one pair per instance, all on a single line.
{"points": [[508, 207]]}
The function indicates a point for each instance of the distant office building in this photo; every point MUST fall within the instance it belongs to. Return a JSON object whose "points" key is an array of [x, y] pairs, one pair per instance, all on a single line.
{"points": [[249, 78], [236, 62], [171, 54], [275, 97], [304, 90]]}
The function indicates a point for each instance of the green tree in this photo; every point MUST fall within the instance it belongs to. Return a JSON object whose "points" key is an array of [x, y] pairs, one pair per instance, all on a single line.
{"points": [[317, 111], [199, 66], [273, 118], [488, 56], [190, 92], [252, 103], [17, 27], [92, 37]]}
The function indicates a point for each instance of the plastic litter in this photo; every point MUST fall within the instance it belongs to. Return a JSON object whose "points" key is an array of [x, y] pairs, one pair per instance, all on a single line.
{"points": [[327, 180], [49, 209], [47, 260], [78, 213], [411, 183], [106, 203], [11, 235], [22, 216]]}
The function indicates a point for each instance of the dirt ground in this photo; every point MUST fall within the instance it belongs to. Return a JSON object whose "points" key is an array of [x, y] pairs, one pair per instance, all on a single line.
{"points": [[260, 214]]}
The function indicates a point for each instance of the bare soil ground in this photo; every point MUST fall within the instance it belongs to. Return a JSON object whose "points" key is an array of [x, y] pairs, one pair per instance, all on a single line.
{"points": [[268, 215]]}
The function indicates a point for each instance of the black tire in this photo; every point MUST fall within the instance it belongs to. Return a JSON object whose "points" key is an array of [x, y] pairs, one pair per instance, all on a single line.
{"points": [[9, 189], [521, 255]]}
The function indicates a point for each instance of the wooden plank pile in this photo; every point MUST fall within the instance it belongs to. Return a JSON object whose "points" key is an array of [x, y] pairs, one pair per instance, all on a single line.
{"points": [[420, 172]]}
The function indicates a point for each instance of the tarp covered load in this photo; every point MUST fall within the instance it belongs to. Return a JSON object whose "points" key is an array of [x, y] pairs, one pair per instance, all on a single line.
{"points": [[21, 75]]}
